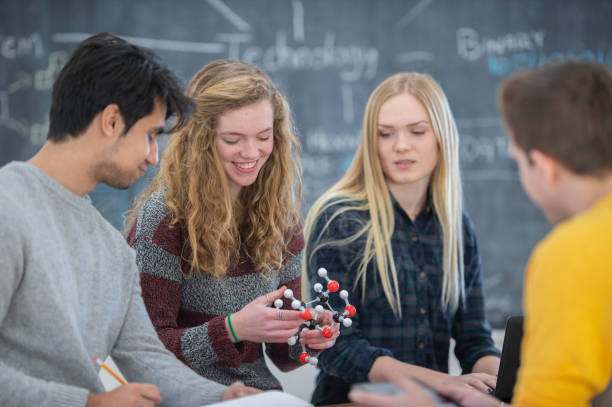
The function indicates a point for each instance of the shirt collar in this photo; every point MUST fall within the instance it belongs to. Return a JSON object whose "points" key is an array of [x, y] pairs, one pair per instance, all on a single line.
{"points": [[422, 218]]}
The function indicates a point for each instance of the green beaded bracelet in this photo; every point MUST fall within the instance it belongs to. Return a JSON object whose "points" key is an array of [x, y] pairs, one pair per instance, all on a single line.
{"points": [[229, 322]]}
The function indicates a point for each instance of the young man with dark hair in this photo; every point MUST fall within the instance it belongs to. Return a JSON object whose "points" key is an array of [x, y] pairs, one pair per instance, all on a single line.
{"points": [[69, 286], [559, 121]]}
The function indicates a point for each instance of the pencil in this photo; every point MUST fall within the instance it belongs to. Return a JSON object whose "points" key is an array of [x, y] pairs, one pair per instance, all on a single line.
{"points": [[109, 370]]}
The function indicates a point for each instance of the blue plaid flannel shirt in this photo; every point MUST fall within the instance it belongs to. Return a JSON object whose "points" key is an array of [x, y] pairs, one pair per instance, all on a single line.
{"points": [[422, 335]]}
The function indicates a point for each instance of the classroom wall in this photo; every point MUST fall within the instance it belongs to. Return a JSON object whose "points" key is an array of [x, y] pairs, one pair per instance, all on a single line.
{"points": [[327, 56]]}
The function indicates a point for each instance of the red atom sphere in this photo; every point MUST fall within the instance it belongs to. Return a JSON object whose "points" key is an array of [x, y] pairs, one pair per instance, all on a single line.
{"points": [[333, 286], [306, 315], [303, 357], [351, 310], [327, 332]]}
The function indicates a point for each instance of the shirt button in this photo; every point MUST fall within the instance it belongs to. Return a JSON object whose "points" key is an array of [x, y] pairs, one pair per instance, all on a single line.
{"points": [[421, 345], [414, 238], [422, 311]]}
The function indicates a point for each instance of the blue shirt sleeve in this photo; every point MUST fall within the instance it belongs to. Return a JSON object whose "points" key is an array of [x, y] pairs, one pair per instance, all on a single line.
{"points": [[471, 329], [352, 356]]}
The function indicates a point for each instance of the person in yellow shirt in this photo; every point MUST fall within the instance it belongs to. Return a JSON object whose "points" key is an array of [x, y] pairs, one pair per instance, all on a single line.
{"points": [[558, 118]]}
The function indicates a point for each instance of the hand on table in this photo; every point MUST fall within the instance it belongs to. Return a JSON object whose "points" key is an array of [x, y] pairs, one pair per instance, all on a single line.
{"points": [[414, 395], [238, 389], [128, 395], [479, 381], [467, 396]]}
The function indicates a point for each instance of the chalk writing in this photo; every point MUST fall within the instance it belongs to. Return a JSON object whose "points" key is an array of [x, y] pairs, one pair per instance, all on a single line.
{"points": [[298, 21], [413, 13], [471, 46], [503, 65], [41, 80], [321, 141], [317, 165], [353, 61], [38, 132], [44, 78], [485, 149], [35, 133], [153, 43], [230, 15], [24, 80], [12, 47]]}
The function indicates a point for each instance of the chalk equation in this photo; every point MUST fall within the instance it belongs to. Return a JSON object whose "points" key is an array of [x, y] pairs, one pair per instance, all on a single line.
{"points": [[41, 81]]}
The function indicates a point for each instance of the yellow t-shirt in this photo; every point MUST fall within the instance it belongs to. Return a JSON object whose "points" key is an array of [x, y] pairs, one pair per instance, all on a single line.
{"points": [[566, 356]]}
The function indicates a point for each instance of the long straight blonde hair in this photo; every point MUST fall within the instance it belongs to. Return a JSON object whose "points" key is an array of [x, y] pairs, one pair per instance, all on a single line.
{"points": [[363, 188]]}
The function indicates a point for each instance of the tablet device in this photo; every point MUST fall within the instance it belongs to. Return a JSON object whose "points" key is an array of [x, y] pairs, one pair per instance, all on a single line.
{"points": [[389, 389], [510, 359]]}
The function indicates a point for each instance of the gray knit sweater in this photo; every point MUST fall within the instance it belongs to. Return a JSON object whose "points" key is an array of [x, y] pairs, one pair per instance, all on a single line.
{"points": [[189, 312], [69, 290]]}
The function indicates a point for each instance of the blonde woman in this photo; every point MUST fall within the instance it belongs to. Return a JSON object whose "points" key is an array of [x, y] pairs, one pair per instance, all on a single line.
{"points": [[217, 233], [393, 229]]}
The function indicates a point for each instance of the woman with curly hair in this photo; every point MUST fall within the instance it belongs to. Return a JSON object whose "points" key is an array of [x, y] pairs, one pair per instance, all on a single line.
{"points": [[217, 233]]}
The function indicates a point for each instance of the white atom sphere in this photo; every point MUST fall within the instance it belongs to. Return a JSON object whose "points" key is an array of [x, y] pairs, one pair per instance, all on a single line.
{"points": [[296, 304], [347, 322], [344, 294], [292, 340], [319, 308], [288, 293], [318, 287], [313, 360], [322, 272], [305, 329], [278, 303]]}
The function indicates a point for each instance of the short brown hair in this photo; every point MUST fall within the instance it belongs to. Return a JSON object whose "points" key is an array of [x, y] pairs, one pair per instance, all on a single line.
{"points": [[563, 109]]}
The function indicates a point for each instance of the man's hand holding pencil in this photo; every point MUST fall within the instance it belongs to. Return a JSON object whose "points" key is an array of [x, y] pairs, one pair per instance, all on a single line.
{"points": [[128, 395], [147, 395]]}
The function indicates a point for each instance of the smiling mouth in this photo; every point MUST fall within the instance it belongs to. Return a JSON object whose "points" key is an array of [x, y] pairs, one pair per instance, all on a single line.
{"points": [[246, 166]]}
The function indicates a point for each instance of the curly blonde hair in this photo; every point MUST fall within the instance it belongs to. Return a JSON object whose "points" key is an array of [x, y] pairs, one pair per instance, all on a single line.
{"points": [[260, 222]]}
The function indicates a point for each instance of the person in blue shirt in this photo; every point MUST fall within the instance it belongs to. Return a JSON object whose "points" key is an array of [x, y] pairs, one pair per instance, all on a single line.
{"points": [[392, 231]]}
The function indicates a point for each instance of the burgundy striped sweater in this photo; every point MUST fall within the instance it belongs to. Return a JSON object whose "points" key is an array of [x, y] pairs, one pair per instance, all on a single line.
{"points": [[188, 312]]}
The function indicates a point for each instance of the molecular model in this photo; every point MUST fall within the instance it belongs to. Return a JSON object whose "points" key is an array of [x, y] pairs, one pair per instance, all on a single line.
{"points": [[311, 322]]}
